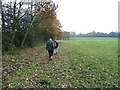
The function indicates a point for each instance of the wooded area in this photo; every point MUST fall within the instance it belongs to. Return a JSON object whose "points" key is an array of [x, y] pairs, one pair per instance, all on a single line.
{"points": [[26, 24]]}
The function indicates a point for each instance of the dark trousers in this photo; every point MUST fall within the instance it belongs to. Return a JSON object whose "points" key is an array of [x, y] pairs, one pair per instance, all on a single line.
{"points": [[50, 53]]}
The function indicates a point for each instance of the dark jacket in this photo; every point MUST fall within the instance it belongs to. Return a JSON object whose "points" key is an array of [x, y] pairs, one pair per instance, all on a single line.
{"points": [[49, 45], [56, 44]]}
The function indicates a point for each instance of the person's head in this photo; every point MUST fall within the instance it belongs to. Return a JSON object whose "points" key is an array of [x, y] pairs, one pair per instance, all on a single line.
{"points": [[50, 39]]}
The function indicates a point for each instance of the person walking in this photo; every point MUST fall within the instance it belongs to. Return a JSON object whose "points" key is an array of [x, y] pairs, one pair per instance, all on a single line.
{"points": [[55, 47], [50, 48]]}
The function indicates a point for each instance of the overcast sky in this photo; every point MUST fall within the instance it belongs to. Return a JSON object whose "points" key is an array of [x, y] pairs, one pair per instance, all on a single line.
{"points": [[83, 16]]}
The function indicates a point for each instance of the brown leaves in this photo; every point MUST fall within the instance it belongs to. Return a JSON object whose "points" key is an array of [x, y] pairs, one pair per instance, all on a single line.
{"points": [[48, 19], [12, 63]]}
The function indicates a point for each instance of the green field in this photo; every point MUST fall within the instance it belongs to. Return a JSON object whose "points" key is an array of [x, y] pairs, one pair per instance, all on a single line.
{"points": [[80, 63]]}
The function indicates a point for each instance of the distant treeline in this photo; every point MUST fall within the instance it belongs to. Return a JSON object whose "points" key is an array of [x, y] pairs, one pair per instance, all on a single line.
{"points": [[67, 35], [99, 34]]}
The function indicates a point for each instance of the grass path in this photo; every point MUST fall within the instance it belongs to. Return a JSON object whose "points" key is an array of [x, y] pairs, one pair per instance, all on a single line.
{"points": [[31, 68], [77, 65]]}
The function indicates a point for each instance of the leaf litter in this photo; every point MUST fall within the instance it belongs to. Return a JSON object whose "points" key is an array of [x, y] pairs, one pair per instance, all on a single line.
{"points": [[33, 67]]}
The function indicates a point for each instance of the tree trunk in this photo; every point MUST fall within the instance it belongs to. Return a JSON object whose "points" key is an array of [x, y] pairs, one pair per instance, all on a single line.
{"points": [[25, 37], [2, 13], [26, 34], [14, 24]]}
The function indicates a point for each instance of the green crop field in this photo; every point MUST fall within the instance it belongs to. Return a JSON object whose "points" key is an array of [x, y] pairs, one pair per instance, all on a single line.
{"points": [[97, 59], [80, 63]]}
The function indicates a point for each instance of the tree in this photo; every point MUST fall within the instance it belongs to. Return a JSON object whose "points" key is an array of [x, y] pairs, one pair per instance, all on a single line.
{"points": [[66, 35], [73, 34], [26, 26], [49, 25], [113, 34]]}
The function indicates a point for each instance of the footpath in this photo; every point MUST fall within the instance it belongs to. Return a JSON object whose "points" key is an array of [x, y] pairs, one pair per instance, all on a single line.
{"points": [[33, 64]]}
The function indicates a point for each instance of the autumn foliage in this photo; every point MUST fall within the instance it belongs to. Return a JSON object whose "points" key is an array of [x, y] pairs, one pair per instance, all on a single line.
{"points": [[47, 16], [28, 24]]}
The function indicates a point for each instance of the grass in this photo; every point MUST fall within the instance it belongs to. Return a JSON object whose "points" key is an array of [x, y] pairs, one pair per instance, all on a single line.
{"points": [[80, 63], [98, 58]]}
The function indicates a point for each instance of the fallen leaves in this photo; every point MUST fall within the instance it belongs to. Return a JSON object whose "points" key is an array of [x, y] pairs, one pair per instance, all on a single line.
{"points": [[66, 70]]}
